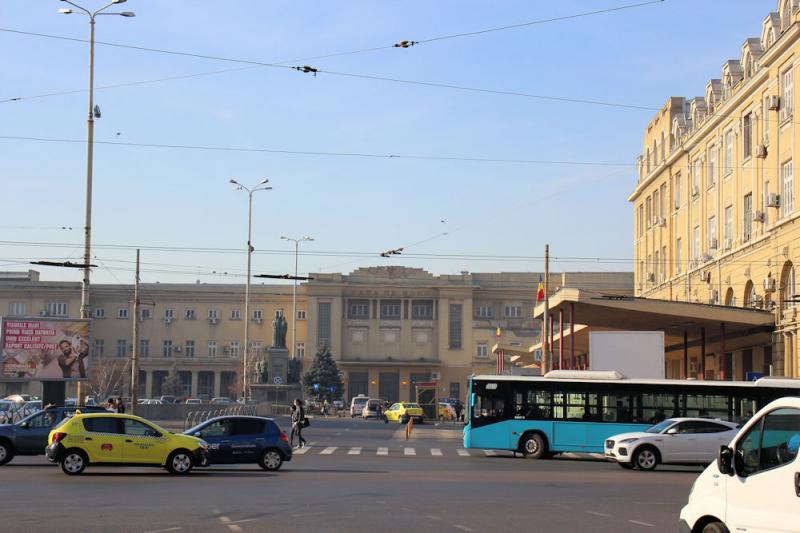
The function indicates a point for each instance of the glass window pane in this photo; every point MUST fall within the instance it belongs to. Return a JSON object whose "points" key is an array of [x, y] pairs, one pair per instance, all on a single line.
{"points": [[780, 438]]}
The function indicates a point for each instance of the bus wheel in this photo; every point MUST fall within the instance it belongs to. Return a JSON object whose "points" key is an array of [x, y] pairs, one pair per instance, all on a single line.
{"points": [[533, 445]]}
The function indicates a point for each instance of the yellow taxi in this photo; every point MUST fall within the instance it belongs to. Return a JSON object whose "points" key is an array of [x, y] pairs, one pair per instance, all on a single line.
{"points": [[402, 412], [121, 440]]}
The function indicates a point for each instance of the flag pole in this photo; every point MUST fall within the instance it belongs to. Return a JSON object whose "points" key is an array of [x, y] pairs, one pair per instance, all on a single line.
{"points": [[545, 338]]}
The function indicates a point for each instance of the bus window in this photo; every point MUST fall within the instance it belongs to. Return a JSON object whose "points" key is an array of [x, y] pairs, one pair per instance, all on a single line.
{"points": [[487, 406], [582, 406], [743, 409], [705, 405], [531, 404], [653, 408], [616, 408]]}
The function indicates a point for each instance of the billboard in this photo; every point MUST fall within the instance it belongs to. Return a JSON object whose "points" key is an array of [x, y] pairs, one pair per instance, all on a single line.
{"points": [[44, 349]]}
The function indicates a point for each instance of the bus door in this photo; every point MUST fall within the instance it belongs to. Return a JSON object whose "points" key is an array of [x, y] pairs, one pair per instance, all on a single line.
{"points": [[427, 398]]}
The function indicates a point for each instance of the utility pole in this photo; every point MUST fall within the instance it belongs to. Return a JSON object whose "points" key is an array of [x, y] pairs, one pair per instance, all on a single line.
{"points": [[135, 347], [296, 242], [546, 317]]}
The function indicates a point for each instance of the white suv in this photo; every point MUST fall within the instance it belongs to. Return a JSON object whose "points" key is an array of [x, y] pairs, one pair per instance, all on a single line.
{"points": [[674, 440], [754, 485]]}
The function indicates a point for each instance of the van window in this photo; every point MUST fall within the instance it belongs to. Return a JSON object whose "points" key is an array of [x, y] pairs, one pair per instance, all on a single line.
{"points": [[771, 443]]}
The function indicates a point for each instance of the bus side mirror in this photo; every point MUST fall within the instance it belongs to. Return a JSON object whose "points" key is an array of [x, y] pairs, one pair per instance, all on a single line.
{"points": [[725, 460]]}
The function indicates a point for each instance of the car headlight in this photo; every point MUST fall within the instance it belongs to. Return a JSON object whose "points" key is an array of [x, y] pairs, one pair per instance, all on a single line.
{"points": [[628, 441], [203, 444]]}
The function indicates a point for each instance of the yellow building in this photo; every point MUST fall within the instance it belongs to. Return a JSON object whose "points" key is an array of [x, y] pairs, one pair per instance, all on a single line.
{"points": [[715, 212]]}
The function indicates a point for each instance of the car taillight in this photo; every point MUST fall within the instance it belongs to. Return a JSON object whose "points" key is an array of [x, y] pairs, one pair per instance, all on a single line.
{"points": [[283, 437], [57, 437]]}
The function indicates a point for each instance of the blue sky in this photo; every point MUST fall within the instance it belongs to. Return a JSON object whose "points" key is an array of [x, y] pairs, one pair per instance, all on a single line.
{"points": [[181, 198]]}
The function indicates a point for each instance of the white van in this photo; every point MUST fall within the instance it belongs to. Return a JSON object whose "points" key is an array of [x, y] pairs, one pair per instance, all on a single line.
{"points": [[357, 405], [754, 485]]}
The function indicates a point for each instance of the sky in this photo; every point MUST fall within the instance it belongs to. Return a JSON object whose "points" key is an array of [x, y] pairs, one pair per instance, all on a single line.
{"points": [[447, 215]]}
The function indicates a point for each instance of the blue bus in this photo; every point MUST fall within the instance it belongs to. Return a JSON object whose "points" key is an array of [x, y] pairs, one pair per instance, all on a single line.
{"points": [[576, 411]]}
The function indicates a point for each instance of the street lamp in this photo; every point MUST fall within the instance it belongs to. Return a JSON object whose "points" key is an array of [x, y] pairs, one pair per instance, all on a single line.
{"points": [[294, 290], [239, 187], [87, 228]]}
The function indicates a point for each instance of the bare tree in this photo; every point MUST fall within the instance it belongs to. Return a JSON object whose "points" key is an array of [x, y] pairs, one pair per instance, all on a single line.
{"points": [[109, 377]]}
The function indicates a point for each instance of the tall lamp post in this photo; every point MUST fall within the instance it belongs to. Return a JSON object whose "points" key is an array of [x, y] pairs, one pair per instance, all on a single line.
{"points": [[239, 187], [294, 290], [87, 228]]}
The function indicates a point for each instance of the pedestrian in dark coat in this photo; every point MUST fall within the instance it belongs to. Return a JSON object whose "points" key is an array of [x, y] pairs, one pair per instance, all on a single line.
{"points": [[298, 421]]}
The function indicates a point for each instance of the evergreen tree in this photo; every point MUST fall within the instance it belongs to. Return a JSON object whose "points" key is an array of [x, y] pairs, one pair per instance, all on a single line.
{"points": [[171, 385], [324, 373]]}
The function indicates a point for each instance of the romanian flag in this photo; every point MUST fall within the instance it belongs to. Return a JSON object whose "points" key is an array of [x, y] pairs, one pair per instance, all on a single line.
{"points": [[498, 332], [540, 290]]}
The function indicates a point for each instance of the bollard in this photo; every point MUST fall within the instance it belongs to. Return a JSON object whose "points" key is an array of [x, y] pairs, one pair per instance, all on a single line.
{"points": [[409, 427]]}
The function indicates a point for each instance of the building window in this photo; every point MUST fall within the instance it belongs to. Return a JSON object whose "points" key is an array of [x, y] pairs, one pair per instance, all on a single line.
{"points": [[167, 349], [300, 349], [169, 314], [696, 178], [98, 348], [662, 210], [766, 121], [641, 220], [512, 311], [787, 195], [486, 310], [696, 244], [789, 287], [648, 212], [454, 329], [234, 349], [390, 309], [455, 390], [422, 309], [144, 348], [728, 163], [255, 348], [786, 95], [677, 191], [358, 309], [191, 314], [664, 272], [17, 309], [728, 229], [189, 349], [656, 264], [122, 348], [258, 314], [323, 323], [123, 312], [301, 314], [678, 256], [712, 166], [482, 350], [656, 204], [146, 313], [212, 348], [747, 221], [236, 314], [712, 233], [747, 136], [57, 309]]}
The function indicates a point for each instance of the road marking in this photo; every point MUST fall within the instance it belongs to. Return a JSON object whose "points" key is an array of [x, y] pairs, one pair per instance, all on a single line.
{"points": [[641, 523], [383, 451], [301, 451], [436, 451], [216, 511], [462, 528], [598, 514], [431, 517], [329, 450], [354, 451], [245, 520], [300, 515], [489, 453], [409, 451], [224, 519], [462, 452], [234, 527], [164, 530]]}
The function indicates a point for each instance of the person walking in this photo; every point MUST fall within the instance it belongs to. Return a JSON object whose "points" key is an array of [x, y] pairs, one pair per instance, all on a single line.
{"points": [[298, 421], [291, 435], [459, 408], [120, 406]]}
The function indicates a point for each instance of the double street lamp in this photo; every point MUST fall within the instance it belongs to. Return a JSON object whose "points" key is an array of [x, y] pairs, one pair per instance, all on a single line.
{"points": [[261, 186], [296, 242]]}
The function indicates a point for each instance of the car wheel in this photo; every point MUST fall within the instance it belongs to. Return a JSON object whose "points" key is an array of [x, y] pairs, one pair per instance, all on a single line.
{"points": [[646, 458], [715, 527], [533, 446], [179, 462], [271, 459], [626, 466], [74, 462], [6, 453]]}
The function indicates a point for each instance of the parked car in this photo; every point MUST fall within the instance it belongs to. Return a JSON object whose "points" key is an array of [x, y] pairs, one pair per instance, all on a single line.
{"points": [[150, 401], [193, 401], [221, 400], [671, 441], [29, 435], [357, 405], [402, 412], [370, 409], [755, 482], [167, 399], [121, 440], [244, 439], [447, 411]]}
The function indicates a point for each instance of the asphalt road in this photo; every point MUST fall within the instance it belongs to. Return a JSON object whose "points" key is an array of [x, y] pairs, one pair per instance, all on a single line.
{"points": [[356, 476]]}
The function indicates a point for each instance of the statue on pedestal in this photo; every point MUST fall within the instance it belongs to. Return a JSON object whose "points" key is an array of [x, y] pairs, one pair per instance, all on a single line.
{"points": [[279, 327]]}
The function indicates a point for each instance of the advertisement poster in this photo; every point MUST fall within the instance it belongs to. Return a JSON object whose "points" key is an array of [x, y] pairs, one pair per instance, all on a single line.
{"points": [[46, 349]]}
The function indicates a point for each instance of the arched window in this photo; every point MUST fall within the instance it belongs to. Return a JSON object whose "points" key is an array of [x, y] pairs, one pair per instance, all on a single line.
{"points": [[648, 160], [749, 295], [729, 298], [788, 286], [655, 153]]}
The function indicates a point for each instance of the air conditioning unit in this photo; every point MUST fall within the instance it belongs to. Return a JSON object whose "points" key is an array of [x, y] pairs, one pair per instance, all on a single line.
{"points": [[695, 192], [662, 222], [712, 243], [168, 320], [774, 103], [758, 216], [773, 200], [677, 205], [436, 376], [213, 320], [761, 151], [705, 276], [708, 256], [728, 243], [651, 276], [258, 320], [769, 284]]}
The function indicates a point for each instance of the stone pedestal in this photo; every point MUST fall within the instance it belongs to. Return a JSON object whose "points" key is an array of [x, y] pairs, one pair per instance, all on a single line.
{"points": [[278, 363]]}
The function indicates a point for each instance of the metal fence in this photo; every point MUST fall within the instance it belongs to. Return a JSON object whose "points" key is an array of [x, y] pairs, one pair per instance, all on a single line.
{"points": [[201, 415]]}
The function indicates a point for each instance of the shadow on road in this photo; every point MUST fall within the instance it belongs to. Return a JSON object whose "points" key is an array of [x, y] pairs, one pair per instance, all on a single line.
{"points": [[207, 473]]}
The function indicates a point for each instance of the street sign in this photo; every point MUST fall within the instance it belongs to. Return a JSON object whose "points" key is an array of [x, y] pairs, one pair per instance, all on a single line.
{"points": [[277, 380], [316, 386]]}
